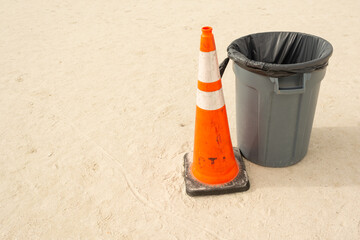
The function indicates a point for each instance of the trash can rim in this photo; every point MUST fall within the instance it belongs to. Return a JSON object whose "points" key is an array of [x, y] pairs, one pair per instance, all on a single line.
{"points": [[281, 66]]}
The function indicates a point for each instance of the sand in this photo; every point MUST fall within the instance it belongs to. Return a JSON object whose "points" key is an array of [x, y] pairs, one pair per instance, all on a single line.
{"points": [[97, 107]]}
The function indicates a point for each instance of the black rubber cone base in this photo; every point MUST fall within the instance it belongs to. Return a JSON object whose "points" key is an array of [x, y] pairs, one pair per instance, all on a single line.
{"points": [[196, 188]]}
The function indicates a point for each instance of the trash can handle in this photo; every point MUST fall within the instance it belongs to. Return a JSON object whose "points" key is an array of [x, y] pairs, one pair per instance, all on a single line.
{"points": [[223, 65], [278, 90]]}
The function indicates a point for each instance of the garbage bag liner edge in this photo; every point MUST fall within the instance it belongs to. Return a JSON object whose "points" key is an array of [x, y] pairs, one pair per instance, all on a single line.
{"points": [[280, 54]]}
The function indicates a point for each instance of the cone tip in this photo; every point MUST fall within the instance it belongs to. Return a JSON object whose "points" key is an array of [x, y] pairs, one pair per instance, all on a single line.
{"points": [[206, 30]]}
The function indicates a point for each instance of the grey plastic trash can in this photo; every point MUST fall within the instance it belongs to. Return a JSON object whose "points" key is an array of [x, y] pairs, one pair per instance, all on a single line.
{"points": [[278, 76]]}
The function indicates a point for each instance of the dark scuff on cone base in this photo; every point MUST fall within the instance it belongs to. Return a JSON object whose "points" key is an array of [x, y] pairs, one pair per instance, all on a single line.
{"points": [[195, 188]]}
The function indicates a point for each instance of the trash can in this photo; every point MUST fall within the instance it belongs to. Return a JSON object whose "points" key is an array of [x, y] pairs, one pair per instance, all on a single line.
{"points": [[278, 76]]}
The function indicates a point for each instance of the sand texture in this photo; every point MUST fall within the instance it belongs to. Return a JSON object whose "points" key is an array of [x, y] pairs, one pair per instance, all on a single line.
{"points": [[97, 109]]}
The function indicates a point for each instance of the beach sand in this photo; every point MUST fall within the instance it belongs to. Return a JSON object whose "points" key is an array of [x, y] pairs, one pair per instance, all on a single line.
{"points": [[97, 109]]}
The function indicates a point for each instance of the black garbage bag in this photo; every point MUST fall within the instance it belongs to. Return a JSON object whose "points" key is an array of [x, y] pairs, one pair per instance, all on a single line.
{"points": [[279, 54]]}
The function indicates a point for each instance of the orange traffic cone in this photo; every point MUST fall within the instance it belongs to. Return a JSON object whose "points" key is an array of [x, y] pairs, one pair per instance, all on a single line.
{"points": [[216, 167]]}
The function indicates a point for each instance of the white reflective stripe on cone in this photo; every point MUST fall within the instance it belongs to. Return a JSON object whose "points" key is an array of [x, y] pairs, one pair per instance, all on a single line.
{"points": [[210, 100], [208, 67]]}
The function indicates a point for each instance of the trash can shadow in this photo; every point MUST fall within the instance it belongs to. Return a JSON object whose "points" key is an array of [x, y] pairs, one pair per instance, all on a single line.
{"points": [[332, 161]]}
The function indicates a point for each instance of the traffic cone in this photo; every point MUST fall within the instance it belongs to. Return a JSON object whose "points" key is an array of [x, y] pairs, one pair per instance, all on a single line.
{"points": [[214, 167]]}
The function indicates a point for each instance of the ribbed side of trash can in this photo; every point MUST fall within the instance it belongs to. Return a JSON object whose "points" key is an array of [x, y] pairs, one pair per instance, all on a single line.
{"points": [[274, 116], [278, 76]]}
